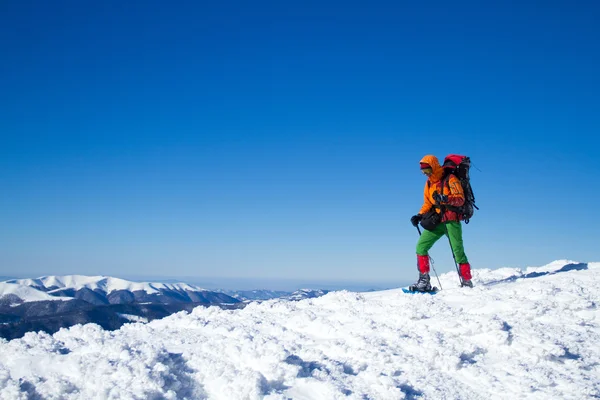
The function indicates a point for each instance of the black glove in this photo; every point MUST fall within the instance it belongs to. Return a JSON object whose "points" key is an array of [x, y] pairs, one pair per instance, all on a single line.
{"points": [[415, 219], [440, 198]]}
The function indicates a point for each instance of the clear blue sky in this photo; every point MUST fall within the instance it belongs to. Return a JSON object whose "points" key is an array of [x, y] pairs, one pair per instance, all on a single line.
{"points": [[282, 139]]}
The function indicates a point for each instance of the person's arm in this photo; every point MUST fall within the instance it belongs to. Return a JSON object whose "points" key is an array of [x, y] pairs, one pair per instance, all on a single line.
{"points": [[427, 204]]}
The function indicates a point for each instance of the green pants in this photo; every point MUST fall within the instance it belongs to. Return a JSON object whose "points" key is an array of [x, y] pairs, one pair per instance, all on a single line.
{"points": [[428, 239]]}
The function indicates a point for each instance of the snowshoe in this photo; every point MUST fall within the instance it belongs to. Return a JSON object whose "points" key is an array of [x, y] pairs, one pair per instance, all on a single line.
{"points": [[411, 290]]}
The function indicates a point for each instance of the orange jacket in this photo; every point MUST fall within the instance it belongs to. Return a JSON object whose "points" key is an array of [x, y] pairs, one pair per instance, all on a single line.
{"points": [[452, 188]]}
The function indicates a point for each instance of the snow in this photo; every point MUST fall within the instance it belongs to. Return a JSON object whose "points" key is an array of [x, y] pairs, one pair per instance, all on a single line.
{"points": [[524, 334], [105, 283], [133, 318], [26, 293]]}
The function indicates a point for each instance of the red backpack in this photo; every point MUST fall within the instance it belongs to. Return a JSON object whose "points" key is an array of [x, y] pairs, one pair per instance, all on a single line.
{"points": [[459, 166]]}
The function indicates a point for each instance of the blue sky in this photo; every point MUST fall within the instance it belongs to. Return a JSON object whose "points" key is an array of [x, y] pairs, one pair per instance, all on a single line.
{"points": [[282, 139]]}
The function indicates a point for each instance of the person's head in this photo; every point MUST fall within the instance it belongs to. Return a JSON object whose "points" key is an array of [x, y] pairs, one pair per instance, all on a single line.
{"points": [[426, 169], [430, 166]]}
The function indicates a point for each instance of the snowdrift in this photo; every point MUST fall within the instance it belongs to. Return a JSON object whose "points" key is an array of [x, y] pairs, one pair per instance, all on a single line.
{"points": [[519, 334]]}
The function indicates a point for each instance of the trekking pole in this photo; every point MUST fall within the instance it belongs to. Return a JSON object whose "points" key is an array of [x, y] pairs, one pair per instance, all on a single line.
{"points": [[431, 263]]}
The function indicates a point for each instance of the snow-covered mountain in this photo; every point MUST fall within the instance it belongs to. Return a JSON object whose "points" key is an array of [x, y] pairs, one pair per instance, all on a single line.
{"points": [[108, 290], [306, 294], [256, 295], [18, 293], [104, 283], [53, 302], [259, 294], [519, 334]]}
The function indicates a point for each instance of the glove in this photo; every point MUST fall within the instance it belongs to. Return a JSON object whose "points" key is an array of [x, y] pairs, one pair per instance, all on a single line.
{"points": [[415, 219], [440, 198]]}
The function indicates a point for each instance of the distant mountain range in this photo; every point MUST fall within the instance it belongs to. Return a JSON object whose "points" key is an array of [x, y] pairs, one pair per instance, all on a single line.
{"points": [[252, 295], [53, 302], [258, 295], [108, 290]]}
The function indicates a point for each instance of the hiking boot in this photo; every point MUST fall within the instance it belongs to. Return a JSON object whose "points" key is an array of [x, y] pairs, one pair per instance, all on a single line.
{"points": [[466, 282], [423, 284]]}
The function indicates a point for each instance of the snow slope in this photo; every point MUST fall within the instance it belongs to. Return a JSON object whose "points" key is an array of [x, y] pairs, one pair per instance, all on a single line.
{"points": [[26, 293], [519, 334]]}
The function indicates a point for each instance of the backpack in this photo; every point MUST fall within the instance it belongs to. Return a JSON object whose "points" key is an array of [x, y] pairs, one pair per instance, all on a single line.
{"points": [[459, 166]]}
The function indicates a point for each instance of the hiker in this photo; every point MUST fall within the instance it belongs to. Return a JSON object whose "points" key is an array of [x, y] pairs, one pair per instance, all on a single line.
{"points": [[442, 192]]}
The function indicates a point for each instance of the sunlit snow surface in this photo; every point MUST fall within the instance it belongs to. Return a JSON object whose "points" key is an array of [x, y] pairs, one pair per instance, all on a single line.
{"points": [[519, 334]]}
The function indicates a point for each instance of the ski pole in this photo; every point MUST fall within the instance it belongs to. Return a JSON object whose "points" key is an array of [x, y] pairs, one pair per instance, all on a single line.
{"points": [[432, 266]]}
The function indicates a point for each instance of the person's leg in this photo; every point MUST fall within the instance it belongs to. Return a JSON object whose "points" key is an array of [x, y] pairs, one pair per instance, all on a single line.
{"points": [[428, 239], [425, 243], [455, 234]]}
